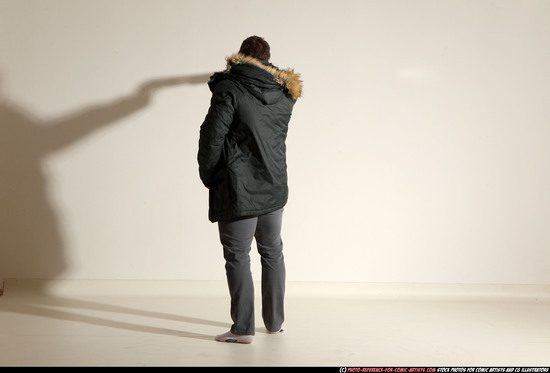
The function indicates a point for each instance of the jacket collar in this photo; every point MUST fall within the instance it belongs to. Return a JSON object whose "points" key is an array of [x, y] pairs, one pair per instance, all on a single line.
{"points": [[286, 78]]}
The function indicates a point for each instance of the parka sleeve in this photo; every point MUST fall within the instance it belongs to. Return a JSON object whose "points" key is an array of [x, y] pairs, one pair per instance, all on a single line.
{"points": [[213, 131]]}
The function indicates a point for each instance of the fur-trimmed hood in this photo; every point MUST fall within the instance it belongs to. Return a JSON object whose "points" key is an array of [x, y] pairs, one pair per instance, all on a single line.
{"points": [[286, 78]]}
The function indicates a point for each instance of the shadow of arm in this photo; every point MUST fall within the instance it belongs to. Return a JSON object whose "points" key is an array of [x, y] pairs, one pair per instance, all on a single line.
{"points": [[65, 131]]}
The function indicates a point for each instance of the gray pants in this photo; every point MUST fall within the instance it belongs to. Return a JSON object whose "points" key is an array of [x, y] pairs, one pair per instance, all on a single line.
{"points": [[236, 237]]}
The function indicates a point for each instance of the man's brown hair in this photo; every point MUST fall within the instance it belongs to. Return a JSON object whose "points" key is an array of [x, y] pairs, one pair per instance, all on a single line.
{"points": [[256, 47]]}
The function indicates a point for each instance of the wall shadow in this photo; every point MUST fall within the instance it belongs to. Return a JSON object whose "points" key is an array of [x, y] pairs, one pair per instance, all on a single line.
{"points": [[31, 244]]}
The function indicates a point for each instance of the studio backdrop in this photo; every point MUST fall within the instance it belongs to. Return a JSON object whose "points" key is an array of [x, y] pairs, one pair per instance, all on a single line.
{"points": [[420, 151]]}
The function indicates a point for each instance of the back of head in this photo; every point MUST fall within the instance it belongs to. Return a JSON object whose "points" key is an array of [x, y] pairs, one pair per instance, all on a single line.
{"points": [[257, 47]]}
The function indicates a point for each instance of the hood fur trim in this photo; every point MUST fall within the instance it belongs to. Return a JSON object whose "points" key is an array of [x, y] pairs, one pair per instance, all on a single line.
{"points": [[287, 78]]}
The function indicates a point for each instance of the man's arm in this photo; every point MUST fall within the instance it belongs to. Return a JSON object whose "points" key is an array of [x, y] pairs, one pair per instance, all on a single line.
{"points": [[213, 131]]}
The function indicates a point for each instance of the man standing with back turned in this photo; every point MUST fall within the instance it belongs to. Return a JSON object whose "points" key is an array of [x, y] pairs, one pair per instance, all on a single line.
{"points": [[242, 161]]}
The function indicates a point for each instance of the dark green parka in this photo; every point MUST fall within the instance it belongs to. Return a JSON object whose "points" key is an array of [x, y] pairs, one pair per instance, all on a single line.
{"points": [[242, 151]]}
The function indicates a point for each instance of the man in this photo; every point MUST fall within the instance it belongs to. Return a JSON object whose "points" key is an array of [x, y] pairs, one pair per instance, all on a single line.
{"points": [[242, 161]]}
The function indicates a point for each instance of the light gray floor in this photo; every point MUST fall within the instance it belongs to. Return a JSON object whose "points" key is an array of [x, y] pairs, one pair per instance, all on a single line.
{"points": [[157, 323]]}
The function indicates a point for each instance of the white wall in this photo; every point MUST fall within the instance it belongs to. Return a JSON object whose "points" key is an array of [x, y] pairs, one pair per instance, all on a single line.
{"points": [[419, 153]]}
